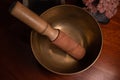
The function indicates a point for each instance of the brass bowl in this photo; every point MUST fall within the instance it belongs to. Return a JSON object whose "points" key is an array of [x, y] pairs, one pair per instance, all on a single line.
{"points": [[78, 24]]}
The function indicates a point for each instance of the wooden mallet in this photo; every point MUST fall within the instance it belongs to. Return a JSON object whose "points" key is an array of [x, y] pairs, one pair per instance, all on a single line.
{"points": [[56, 36]]}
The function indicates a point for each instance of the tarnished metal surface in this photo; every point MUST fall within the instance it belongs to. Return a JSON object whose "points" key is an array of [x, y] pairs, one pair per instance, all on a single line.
{"points": [[76, 23]]}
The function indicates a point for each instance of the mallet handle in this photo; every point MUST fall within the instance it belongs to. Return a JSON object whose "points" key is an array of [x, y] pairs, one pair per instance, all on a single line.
{"points": [[34, 21]]}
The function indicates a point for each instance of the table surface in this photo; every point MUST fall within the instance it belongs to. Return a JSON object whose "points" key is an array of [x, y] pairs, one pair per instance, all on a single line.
{"points": [[18, 63]]}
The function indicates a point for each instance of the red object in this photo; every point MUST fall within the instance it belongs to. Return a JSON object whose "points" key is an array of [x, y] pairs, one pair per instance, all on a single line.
{"points": [[69, 45]]}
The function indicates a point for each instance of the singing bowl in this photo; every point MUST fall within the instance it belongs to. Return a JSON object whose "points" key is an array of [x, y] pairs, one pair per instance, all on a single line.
{"points": [[78, 24]]}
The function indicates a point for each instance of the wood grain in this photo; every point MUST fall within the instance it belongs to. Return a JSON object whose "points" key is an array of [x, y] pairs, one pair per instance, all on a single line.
{"points": [[18, 63]]}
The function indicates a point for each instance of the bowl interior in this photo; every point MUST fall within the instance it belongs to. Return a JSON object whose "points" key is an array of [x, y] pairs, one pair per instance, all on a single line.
{"points": [[76, 23]]}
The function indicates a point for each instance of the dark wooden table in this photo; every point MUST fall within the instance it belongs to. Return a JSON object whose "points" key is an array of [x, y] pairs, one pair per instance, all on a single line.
{"points": [[18, 63]]}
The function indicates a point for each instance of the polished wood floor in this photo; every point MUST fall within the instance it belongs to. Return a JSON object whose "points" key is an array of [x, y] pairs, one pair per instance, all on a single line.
{"points": [[18, 63]]}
